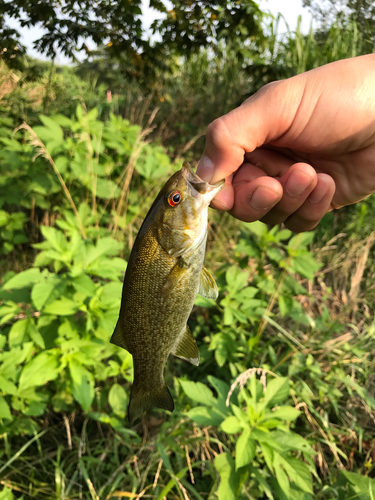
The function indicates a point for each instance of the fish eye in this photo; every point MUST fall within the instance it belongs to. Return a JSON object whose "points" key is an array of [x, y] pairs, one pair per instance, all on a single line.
{"points": [[174, 198]]}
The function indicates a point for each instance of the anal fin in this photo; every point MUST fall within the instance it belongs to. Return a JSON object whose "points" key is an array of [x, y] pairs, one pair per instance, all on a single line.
{"points": [[207, 285], [141, 401], [186, 347], [118, 336]]}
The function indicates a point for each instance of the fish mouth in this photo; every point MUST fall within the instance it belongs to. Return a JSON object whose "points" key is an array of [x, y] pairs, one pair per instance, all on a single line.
{"points": [[206, 190]]}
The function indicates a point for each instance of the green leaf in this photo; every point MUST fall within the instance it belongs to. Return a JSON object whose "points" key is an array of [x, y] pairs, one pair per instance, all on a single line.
{"points": [[277, 390], [4, 410], [54, 129], [55, 237], [231, 425], [301, 476], [198, 392], [245, 449], [62, 307], [41, 292], [32, 330], [229, 478], [40, 370], [17, 332], [258, 228], [285, 413], [206, 416], [23, 279], [301, 240], [84, 284], [281, 476], [4, 218], [83, 384], [306, 265], [105, 189], [118, 400]]}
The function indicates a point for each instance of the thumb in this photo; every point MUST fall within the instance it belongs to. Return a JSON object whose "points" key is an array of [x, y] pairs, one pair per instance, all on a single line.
{"points": [[261, 119]]}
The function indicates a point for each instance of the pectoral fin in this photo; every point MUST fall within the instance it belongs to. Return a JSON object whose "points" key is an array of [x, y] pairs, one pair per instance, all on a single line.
{"points": [[118, 337], [186, 347], [173, 280], [207, 286]]}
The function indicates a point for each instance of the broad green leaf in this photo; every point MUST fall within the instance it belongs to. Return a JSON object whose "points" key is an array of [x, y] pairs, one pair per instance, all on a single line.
{"points": [[229, 478], [285, 413], [306, 265], [84, 284], [206, 416], [17, 332], [245, 449], [282, 478], [23, 279], [40, 370], [301, 240], [83, 384], [53, 127], [62, 307], [32, 330], [7, 386], [55, 237], [41, 292], [4, 410], [258, 228], [277, 390], [302, 476], [7, 494], [232, 425], [198, 392], [105, 188], [118, 400], [292, 441]]}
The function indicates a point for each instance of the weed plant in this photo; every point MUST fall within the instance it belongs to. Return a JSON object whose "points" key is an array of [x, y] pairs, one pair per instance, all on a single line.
{"points": [[282, 405]]}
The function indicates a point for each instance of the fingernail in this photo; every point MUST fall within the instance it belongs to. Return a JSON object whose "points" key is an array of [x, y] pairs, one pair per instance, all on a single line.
{"points": [[319, 193], [297, 183], [205, 169], [262, 198]]}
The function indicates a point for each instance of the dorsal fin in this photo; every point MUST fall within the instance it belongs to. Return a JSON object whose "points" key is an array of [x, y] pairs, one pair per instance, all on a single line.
{"points": [[186, 347]]}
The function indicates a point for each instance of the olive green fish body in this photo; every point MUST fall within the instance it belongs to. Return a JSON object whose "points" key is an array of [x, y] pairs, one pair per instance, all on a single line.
{"points": [[163, 276]]}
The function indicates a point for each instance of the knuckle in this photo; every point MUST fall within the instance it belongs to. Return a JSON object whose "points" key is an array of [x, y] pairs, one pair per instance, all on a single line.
{"points": [[217, 131]]}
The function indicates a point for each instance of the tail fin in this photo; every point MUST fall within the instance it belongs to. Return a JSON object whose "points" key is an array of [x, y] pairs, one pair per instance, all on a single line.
{"points": [[141, 401]]}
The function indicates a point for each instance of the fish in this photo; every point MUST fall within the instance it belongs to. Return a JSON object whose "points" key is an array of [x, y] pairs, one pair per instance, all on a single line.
{"points": [[164, 274]]}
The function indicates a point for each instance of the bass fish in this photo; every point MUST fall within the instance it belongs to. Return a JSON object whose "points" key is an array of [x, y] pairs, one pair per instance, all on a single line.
{"points": [[164, 274]]}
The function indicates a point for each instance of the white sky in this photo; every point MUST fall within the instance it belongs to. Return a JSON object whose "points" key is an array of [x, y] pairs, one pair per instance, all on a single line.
{"points": [[290, 9]]}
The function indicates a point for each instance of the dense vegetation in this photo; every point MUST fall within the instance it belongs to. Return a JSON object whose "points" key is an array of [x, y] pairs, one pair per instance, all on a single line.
{"points": [[282, 405]]}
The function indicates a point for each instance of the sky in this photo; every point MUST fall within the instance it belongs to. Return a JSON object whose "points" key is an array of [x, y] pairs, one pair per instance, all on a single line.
{"points": [[290, 9]]}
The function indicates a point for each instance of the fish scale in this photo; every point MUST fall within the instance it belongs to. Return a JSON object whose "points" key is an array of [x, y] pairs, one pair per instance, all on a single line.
{"points": [[164, 273]]}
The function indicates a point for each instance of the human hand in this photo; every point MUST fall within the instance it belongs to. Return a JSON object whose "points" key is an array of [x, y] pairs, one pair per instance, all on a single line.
{"points": [[297, 148]]}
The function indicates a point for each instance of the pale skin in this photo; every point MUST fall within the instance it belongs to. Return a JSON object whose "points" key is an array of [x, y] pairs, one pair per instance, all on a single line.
{"points": [[298, 148]]}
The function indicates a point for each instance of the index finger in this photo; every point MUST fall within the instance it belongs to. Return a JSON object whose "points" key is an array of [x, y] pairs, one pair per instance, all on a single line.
{"points": [[261, 119]]}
